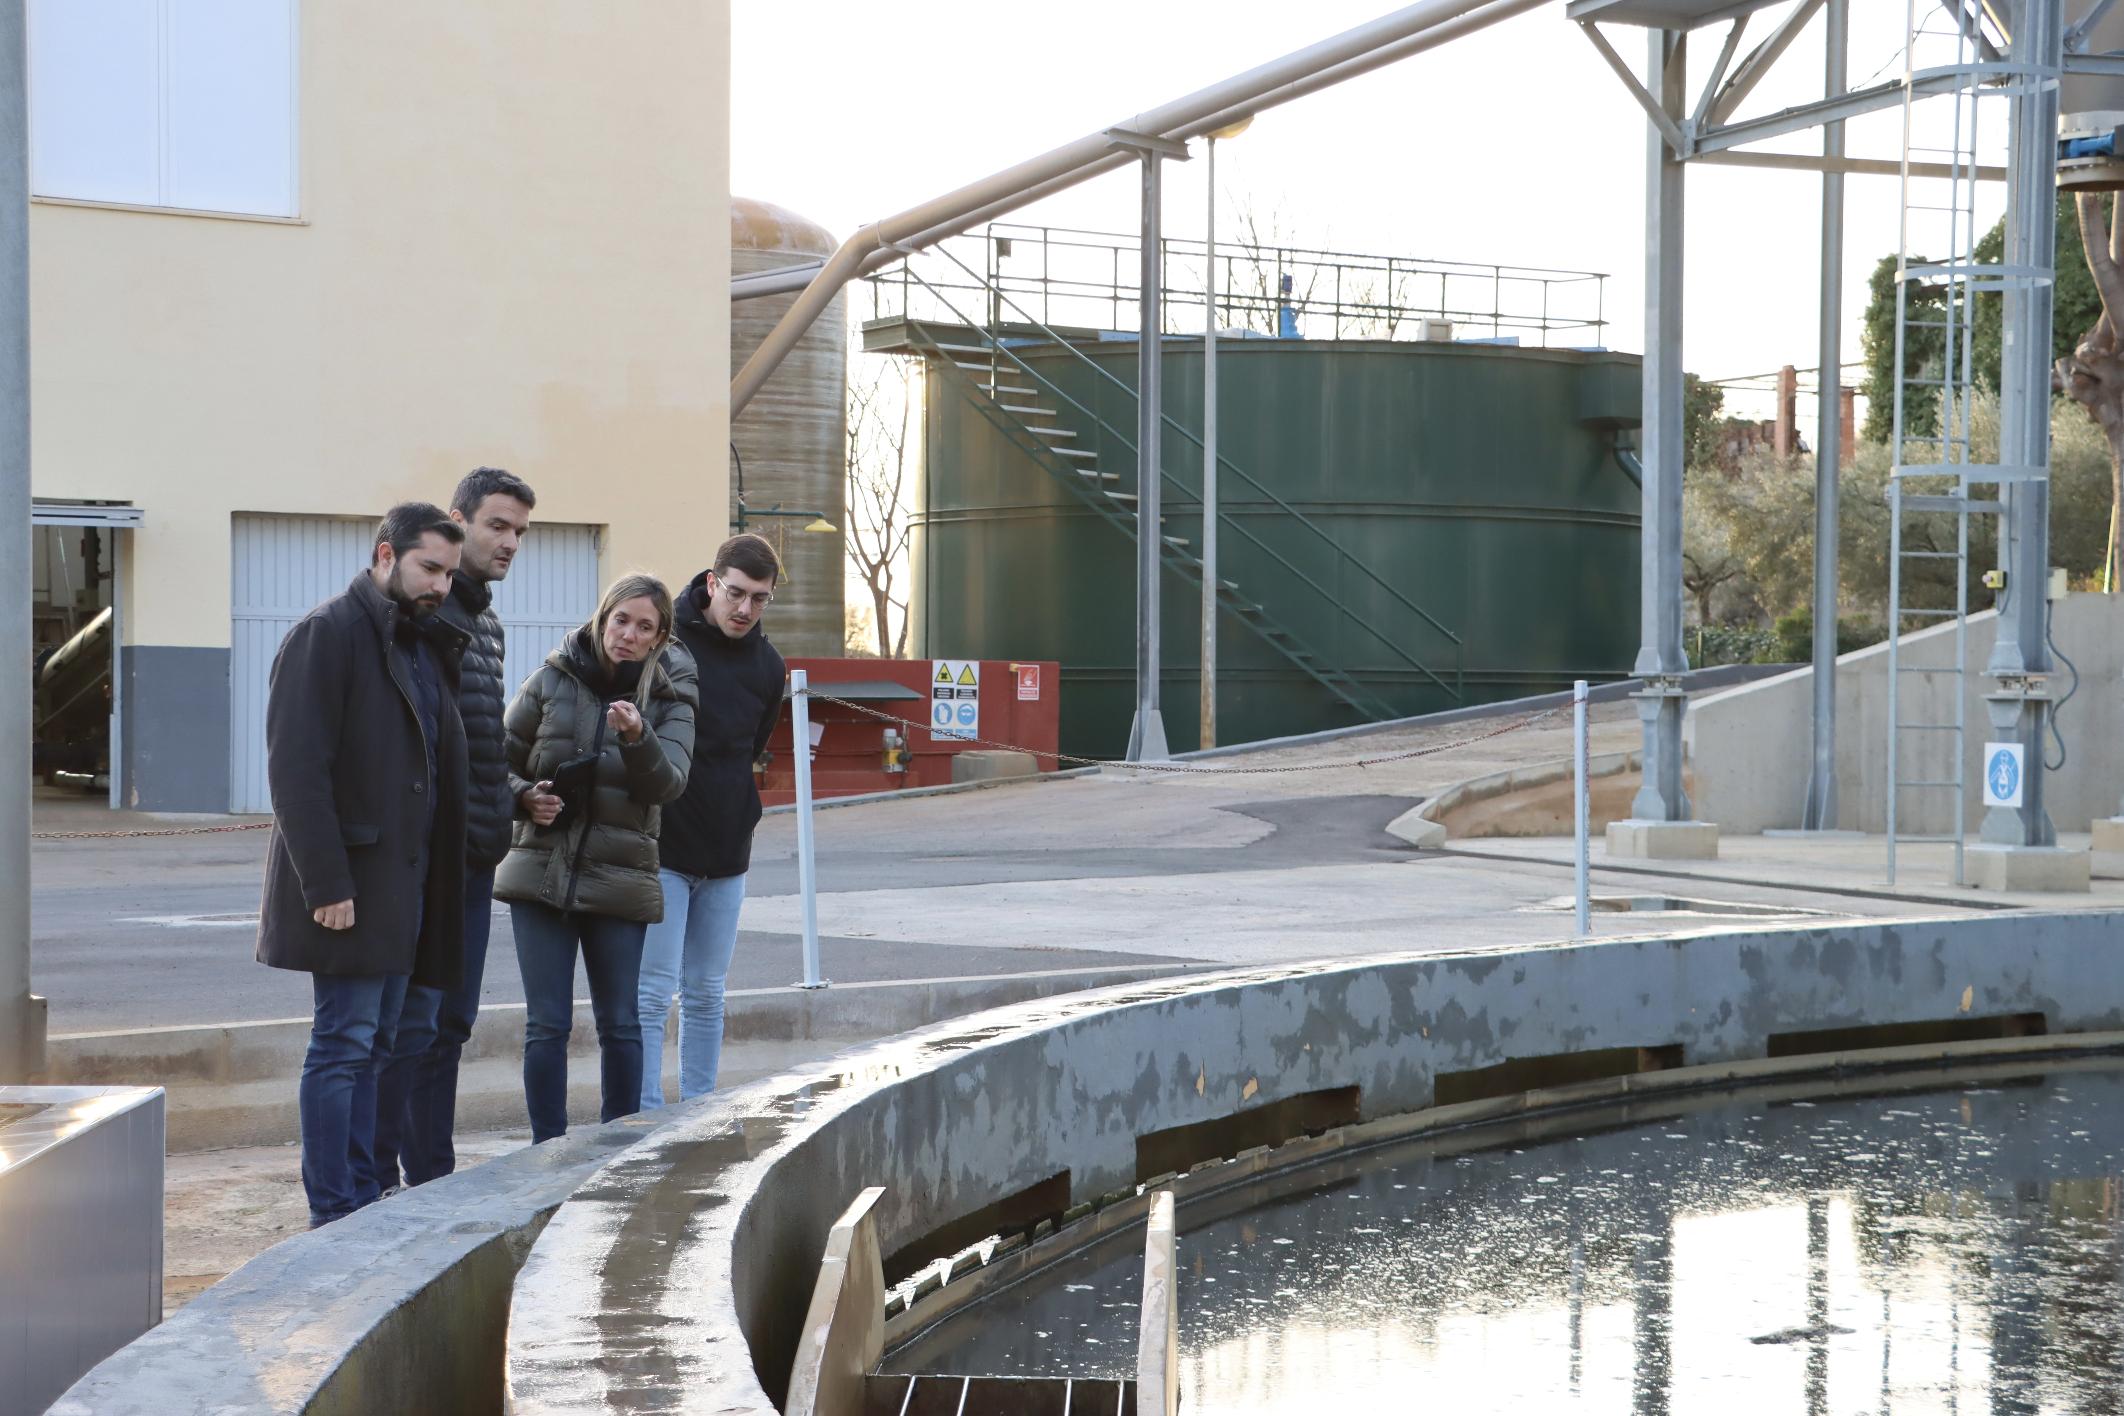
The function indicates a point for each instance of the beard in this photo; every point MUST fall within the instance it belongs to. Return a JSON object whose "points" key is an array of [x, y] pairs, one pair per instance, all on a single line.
{"points": [[417, 605]]}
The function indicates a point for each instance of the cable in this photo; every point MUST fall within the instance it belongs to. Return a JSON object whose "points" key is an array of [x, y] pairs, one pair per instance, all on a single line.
{"points": [[1208, 768], [2050, 610]]}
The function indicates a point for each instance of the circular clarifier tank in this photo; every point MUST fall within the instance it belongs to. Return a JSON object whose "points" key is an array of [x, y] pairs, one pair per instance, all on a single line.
{"points": [[1933, 1243]]}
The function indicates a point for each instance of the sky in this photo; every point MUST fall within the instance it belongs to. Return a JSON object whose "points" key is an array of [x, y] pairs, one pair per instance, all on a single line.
{"points": [[1516, 145]]}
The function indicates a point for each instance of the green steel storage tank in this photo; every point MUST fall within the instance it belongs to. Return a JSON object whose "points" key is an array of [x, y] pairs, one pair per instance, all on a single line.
{"points": [[1421, 524]]}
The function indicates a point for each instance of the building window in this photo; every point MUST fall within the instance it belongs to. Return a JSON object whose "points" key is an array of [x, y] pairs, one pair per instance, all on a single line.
{"points": [[165, 103]]}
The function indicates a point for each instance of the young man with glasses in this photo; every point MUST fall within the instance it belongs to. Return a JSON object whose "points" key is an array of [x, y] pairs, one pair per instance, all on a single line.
{"points": [[705, 846]]}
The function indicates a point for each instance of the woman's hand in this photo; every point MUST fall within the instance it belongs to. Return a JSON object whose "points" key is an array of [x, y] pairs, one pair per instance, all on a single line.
{"points": [[626, 720], [539, 803]]}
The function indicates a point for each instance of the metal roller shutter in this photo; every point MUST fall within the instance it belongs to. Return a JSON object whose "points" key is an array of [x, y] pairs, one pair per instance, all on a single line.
{"points": [[284, 566]]}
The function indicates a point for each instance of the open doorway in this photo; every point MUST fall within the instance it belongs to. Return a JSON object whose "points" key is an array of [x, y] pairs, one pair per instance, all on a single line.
{"points": [[74, 609]]}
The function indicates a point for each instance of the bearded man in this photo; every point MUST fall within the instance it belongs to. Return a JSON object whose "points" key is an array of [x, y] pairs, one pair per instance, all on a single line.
{"points": [[365, 872]]}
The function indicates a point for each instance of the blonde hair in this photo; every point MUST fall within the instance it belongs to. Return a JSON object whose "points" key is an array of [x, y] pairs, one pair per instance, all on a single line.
{"points": [[636, 587]]}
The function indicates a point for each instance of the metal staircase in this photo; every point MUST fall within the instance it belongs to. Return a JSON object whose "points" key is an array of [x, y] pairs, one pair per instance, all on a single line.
{"points": [[1051, 426], [1938, 469]]}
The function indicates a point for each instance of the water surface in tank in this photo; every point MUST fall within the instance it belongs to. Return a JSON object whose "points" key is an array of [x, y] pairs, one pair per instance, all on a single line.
{"points": [[1958, 1248]]}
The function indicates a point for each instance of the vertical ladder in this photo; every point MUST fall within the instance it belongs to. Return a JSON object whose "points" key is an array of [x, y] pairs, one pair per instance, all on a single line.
{"points": [[1938, 467]]}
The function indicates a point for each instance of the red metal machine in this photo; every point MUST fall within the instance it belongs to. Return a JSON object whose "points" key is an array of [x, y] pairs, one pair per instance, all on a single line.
{"points": [[950, 702]]}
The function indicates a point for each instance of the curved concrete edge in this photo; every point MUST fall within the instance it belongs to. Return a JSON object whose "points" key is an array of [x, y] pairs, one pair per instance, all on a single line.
{"points": [[677, 1279], [1424, 825], [399, 1307]]}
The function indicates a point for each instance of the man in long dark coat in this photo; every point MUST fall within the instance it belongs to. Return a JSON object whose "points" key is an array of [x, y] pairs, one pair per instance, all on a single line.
{"points": [[365, 756]]}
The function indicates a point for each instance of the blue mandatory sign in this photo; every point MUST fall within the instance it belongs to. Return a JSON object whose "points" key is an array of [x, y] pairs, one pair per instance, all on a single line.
{"points": [[2003, 775], [968, 712], [941, 715]]}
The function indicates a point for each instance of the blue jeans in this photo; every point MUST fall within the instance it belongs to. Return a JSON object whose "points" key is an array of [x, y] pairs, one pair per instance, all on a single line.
{"points": [[689, 954], [416, 1098], [546, 944], [351, 1032]]}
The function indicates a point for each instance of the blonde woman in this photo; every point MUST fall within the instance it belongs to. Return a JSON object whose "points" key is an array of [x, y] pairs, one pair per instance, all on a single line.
{"points": [[598, 739]]}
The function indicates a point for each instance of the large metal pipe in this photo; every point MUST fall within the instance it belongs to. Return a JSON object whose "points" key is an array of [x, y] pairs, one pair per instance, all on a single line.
{"points": [[1357, 51]]}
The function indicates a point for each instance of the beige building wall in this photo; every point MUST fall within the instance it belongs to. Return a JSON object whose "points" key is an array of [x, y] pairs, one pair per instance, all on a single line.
{"points": [[513, 249]]}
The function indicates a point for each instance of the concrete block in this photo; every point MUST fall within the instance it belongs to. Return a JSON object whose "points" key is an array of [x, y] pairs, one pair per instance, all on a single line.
{"points": [[992, 766], [2028, 869], [1663, 840], [2109, 835], [1417, 829]]}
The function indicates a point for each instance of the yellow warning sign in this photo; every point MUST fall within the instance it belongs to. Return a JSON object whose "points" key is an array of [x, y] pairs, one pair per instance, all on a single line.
{"points": [[955, 700]]}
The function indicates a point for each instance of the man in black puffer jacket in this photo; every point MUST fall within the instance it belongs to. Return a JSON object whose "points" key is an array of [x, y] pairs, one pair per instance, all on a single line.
{"points": [[706, 845], [416, 1100]]}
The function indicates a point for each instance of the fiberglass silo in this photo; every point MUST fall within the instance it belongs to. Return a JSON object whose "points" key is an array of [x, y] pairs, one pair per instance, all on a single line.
{"points": [[1421, 524]]}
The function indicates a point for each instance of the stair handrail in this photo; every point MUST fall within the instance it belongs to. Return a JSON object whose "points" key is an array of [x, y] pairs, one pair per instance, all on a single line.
{"points": [[1222, 461], [1259, 620], [997, 346]]}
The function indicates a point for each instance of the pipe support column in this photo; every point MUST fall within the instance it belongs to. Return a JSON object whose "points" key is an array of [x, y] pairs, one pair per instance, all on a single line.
{"points": [[21, 1015], [1828, 439], [1660, 823], [2021, 708], [1146, 735]]}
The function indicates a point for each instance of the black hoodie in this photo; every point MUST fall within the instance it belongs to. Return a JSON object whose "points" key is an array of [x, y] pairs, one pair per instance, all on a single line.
{"points": [[708, 831]]}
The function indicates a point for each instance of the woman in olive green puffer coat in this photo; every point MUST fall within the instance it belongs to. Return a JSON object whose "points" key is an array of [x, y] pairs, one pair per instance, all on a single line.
{"points": [[599, 737]]}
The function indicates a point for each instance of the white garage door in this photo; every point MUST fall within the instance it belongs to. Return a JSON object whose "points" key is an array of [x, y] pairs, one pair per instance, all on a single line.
{"points": [[284, 566]]}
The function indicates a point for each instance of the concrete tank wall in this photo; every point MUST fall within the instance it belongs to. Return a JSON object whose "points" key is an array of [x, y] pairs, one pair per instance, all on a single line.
{"points": [[1750, 747], [678, 1280], [792, 435]]}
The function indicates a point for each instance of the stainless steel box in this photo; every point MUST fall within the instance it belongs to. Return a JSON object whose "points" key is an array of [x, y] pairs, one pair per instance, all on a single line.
{"points": [[80, 1232]]}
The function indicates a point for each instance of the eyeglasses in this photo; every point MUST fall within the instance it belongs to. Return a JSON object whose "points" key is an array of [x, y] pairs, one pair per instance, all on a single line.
{"points": [[738, 597]]}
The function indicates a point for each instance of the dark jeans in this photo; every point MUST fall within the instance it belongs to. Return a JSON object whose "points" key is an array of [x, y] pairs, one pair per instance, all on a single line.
{"points": [[351, 1034], [546, 945], [416, 1098]]}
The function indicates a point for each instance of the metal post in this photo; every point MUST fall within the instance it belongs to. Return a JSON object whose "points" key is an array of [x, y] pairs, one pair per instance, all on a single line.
{"points": [[1146, 736], [1581, 808], [2020, 710], [1209, 460], [1661, 659], [1828, 439], [807, 875], [21, 1033]]}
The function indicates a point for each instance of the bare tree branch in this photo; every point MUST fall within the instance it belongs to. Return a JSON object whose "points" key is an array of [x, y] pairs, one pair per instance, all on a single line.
{"points": [[880, 412]]}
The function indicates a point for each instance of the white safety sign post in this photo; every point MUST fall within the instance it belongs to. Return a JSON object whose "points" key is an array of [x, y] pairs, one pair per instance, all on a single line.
{"points": [[807, 884], [1583, 803], [2002, 774], [955, 700]]}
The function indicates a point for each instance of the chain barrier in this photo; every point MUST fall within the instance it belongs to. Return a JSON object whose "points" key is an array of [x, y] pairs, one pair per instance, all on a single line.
{"points": [[1178, 768], [1207, 768], [160, 831]]}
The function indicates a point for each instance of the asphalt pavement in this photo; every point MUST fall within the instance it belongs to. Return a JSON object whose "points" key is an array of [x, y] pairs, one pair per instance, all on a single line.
{"points": [[1272, 856]]}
